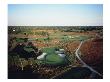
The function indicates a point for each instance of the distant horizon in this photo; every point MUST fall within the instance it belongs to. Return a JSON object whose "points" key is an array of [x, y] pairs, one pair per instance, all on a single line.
{"points": [[61, 26], [55, 15]]}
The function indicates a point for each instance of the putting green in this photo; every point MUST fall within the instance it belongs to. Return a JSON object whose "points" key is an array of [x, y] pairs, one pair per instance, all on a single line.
{"points": [[52, 58]]}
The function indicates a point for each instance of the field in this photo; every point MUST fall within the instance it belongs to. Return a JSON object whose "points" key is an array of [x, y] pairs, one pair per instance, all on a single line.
{"points": [[49, 51]]}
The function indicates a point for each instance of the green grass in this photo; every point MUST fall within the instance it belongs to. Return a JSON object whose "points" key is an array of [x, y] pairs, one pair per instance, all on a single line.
{"points": [[43, 39], [32, 39], [75, 38], [52, 58], [49, 50], [28, 49], [55, 59], [19, 39]]}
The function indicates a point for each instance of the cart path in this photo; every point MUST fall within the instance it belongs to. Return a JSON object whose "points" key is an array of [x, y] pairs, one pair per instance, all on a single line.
{"points": [[84, 64]]}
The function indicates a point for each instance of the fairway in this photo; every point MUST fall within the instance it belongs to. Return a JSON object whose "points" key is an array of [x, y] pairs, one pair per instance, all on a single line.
{"points": [[19, 39], [28, 49]]}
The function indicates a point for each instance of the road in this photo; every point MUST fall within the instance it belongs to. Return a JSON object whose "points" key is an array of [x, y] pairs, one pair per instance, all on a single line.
{"points": [[84, 64]]}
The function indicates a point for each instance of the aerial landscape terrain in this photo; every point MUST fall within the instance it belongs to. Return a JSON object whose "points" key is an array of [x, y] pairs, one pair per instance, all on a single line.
{"points": [[63, 52], [55, 41]]}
